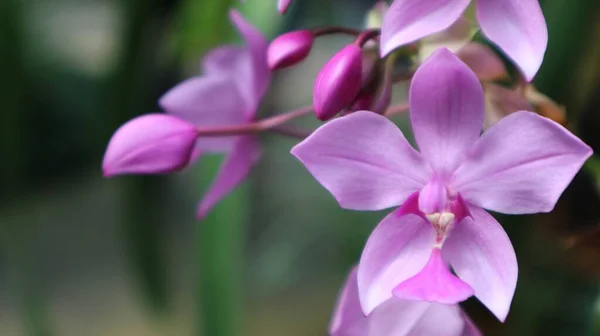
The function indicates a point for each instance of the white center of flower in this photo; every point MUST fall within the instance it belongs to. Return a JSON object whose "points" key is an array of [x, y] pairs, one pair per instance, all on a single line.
{"points": [[441, 222]]}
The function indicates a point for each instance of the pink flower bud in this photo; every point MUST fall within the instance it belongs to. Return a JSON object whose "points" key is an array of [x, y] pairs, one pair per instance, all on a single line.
{"points": [[150, 144], [289, 49], [338, 83]]}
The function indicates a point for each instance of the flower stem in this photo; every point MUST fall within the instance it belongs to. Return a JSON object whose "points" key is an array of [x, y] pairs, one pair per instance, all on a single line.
{"points": [[335, 30], [367, 35], [290, 132], [255, 127], [396, 109]]}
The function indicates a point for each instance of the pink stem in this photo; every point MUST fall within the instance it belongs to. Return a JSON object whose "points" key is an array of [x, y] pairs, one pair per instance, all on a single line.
{"points": [[335, 30], [367, 35], [396, 109], [255, 127], [291, 132]]}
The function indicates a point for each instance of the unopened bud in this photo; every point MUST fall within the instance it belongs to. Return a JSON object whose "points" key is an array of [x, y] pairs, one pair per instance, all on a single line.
{"points": [[289, 49], [338, 83], [150, 144]]}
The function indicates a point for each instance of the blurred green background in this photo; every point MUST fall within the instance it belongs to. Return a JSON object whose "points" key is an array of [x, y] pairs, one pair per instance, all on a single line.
{"points": [[80, 255]]}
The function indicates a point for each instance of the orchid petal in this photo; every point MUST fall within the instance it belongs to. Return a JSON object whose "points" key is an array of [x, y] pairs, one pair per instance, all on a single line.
{"points": [[434, 283], [446, 110], [261, 74], [481, 254], [483, 61], [397, 249], [235, 168], [348, 318], [411, 206], [415, 318], [520, 165], [407, 21], [236, 66], [226, 59], [207, 101], [439, 320], [396, 317], [470, 327], [364, 160], [518, 28]]}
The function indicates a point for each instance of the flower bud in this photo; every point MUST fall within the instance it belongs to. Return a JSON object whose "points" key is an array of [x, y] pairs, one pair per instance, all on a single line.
{"points": [[150, 144], [289, 49], [338, 83]]}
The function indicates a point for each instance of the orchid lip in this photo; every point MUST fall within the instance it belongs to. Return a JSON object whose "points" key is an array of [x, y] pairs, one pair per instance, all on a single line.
{"points": [[434, 283]]}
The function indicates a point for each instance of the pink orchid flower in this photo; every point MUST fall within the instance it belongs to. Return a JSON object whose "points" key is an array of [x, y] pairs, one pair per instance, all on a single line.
{"points": [[397, 317], [520, 165], [228, 93], [518, 27]]}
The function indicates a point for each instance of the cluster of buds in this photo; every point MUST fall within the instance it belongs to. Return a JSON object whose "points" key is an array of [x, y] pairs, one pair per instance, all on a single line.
{"points": [[461, 83]]}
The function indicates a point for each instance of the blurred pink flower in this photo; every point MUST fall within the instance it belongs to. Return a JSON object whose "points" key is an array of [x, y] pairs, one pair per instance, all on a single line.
{"points": [[520, 165], [516, 26], [228, 93], [397, 317], [500, 100]]}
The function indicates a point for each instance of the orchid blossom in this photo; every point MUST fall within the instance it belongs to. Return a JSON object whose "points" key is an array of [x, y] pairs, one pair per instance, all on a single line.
{"points": [[227, 94], [208, 114], [397, 317], [521, 165], [518, 27]]}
